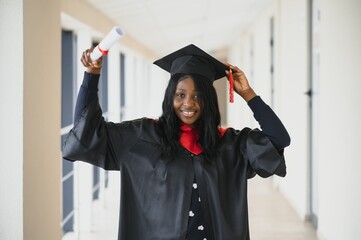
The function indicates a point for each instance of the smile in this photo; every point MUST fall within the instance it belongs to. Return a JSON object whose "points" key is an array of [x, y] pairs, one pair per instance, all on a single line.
{"points": [[188, 113]]}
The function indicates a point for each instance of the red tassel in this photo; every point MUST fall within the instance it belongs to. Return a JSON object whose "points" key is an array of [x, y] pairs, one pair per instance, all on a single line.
{"points": [[231, 87]]}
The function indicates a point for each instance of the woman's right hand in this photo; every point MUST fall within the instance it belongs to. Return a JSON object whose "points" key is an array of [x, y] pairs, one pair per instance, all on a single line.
{"points": [[93, 67]]}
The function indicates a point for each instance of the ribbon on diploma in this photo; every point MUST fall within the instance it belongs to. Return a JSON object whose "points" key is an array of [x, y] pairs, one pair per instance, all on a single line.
{"points": [[102, 49], [103, 52]]}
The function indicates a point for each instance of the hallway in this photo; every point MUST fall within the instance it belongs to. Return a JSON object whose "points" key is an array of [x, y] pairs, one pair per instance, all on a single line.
{"points": [[271, 217]]}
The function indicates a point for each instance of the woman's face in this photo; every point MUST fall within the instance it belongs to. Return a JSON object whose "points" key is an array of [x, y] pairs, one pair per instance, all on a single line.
{"points": [[186, 102]]}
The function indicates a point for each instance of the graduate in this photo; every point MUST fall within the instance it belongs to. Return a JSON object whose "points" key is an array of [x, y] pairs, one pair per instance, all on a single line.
{"points": [[182, 175]]}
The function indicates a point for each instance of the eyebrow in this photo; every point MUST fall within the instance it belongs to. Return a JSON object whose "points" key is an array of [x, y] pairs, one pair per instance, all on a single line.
{"points": [[180, 89]]}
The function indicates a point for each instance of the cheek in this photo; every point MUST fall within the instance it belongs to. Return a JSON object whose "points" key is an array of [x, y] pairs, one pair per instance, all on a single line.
{"points": [[175, 103]]}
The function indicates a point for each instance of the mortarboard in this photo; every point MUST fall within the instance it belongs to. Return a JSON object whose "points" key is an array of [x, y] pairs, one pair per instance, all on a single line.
{"points": [[192, 60]]}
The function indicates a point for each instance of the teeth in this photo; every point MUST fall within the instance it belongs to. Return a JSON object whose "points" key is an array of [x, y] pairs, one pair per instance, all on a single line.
{"points": [[188, 113]]}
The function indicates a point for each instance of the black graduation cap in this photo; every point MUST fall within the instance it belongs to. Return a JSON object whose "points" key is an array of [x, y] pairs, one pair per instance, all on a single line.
{"points": [[192, 60]]}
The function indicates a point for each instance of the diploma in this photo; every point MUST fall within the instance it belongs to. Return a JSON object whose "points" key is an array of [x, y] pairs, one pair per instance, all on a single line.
{"points": [[102, 48]]}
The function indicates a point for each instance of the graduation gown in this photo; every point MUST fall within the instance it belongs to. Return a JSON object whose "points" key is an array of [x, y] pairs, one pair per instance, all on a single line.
{"points": [[156, 192]]}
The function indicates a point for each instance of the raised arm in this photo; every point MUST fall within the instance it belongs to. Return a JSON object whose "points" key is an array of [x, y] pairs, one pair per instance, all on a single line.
{"points": [[270, 124], [90, 140], [88, 91]]}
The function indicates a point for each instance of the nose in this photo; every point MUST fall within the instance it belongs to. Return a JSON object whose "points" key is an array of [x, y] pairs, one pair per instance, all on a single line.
{"points": [[189, 101]]}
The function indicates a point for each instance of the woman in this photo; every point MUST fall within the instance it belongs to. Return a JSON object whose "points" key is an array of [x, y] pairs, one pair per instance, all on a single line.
{"points": [[182, 176]]}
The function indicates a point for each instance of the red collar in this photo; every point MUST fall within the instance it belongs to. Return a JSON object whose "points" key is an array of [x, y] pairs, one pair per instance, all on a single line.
{"points": [[189, 136]]}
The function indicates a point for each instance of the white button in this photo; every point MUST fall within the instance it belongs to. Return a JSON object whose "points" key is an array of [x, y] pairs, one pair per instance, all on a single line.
{"points": [[199, 199], [201, 227], [191, 214], [195, 185]]}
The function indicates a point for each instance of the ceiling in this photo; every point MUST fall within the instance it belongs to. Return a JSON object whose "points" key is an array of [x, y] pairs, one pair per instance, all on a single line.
{"points": [[165, 25]]}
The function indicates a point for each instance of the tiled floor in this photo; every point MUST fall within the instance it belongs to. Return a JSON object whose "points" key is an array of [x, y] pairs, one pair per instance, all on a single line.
{"points": [[271, 217]]}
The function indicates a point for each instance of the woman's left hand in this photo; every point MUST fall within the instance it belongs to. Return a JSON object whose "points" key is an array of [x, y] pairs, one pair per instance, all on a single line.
{"points": [[241, 84]]}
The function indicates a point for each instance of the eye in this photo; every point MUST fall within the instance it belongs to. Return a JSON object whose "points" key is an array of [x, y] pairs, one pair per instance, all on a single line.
{"points": [[197, 96], [180, 95]]}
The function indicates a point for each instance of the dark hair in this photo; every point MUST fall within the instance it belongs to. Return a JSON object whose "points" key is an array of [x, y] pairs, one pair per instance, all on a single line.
{"points": [[207, 124]]}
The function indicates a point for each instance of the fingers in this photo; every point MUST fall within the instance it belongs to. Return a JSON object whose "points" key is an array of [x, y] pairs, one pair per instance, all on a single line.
{"points": [[234, 69], [88, 62], [92, 66], [237, 73], [85, 58], [241, 83]]}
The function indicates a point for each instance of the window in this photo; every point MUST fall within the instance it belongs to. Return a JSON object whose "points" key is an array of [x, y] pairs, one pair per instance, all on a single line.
{"points": [[68, 83]]}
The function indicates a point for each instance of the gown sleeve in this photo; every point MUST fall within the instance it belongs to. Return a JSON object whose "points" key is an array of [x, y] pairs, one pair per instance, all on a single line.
{"points": [[88, 92], [270, 124], [92, 139], [265, 148]]}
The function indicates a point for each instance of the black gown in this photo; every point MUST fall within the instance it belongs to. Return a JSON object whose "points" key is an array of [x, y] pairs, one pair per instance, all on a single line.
{"points": [[156, 192]]}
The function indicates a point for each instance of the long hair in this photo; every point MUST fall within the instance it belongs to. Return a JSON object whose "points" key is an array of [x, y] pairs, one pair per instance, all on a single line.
{"points": [[207, 125]]}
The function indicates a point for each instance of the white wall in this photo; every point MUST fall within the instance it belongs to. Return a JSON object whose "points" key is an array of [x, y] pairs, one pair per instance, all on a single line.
{"points": [[338, 99], [290, 98], [251, 53], [290, 83], [340, 117], [238, 113], [11, 122], [158, 83]]}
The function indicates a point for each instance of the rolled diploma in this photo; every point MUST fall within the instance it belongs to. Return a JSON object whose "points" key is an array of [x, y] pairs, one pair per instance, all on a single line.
{"points": [[114, 35]]}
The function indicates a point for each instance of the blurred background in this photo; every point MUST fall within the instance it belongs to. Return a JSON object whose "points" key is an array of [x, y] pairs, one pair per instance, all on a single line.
{"points": [[303, 57]]}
